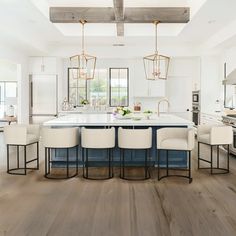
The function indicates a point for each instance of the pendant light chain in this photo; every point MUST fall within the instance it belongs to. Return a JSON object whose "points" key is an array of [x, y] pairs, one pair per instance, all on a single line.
{"points": [[82, 22], [156, 39]]}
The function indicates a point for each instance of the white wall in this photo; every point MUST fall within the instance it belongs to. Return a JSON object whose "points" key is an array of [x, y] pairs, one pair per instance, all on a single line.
{"points": [[8, 71], [184, 74], [211, 83], [229, 57], [21, 60]]}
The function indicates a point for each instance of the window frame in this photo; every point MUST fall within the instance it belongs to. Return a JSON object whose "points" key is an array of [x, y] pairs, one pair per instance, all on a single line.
{"points": [[107, 86], [118, 68], [68, 86]]}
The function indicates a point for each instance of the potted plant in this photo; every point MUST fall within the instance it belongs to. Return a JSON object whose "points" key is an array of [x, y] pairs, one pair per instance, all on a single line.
{"points": [[147, 114], [122, 113], [85, 103]]}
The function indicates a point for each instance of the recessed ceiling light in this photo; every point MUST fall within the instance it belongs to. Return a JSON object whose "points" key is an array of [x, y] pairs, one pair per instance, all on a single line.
{"points": [[118, 45]]}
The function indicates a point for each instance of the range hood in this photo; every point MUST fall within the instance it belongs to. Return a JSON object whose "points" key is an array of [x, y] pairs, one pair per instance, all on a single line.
{"points": [[230, 78]]}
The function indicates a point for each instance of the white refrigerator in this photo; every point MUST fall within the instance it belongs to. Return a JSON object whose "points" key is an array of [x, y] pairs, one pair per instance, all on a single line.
{"points": [[43, 98]]}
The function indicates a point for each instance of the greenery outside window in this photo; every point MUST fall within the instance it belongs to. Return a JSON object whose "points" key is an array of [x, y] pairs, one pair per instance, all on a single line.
{"points": [[95, 90], [119, 89], [98, 88]]}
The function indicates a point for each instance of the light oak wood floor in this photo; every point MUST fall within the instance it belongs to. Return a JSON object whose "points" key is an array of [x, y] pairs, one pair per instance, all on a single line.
{"points": [[34, 206]]}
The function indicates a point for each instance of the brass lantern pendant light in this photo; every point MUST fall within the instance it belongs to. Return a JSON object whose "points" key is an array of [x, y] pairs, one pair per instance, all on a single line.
{"points": [[156, 65], [83, 64]]}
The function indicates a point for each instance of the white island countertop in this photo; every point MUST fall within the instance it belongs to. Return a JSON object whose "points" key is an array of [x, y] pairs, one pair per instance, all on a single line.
{"points": [[110, 120]]}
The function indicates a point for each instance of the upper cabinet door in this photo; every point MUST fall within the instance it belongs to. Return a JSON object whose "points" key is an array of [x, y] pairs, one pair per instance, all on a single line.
{"points": [[43, 65]]}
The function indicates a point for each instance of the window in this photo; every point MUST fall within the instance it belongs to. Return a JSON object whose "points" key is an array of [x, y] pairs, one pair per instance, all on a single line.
{"points": [[94, 90], [8, 96], [119, 90], [77, 88], [98, 88]]}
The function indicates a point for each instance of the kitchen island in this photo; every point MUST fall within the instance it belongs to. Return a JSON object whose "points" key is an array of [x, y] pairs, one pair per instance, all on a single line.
{"points": [[133, 157]]}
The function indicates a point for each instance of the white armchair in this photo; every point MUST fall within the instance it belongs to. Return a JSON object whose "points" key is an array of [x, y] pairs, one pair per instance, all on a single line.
{"points": [[21, 135], [214, 136], [175, 139], [134, 139], [60, 138]]}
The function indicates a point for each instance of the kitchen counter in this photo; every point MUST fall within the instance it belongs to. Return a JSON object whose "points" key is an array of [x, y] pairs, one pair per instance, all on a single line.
{"points": [[110, 120], [132, 157]]}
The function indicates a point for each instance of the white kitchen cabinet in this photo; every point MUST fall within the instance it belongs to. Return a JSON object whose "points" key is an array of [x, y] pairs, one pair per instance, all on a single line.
{"points": [[147, 88], [43, 65], [209, 119]]}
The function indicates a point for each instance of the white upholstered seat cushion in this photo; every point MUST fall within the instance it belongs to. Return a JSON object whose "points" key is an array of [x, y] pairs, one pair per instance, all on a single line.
{"points": [[98, 138], [215, 134], [175, 138], [20, 134], [204, 138], [60, 137], [135, 138], [174, 144]]}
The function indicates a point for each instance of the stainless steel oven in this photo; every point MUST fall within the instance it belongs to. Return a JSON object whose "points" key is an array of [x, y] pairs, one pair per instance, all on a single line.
{"points": [[196, 97], [196, 115]]}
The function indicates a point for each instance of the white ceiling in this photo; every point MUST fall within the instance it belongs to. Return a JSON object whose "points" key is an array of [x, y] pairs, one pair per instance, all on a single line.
{"points": [[26, 25], [127, 3], [110, 29]]}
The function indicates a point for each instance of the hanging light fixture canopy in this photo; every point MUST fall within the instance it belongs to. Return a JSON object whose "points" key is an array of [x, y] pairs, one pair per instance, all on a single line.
{"points": [[83, 64], [156, 65]]}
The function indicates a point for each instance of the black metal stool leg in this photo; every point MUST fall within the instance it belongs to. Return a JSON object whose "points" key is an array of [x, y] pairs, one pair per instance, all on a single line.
{"points": [[49, 160], [109, 163], [86, 152], [76, 158], [146, 156], [198, 155], [120, 161], [211, 159], [67, 162], [189, 166], [46, 163], [158, 164], [83, 160], [217, 156], [17, 156], [228, 158], [25, 160], [167, 163], [37, 144], [112, 159], [8, 161]]}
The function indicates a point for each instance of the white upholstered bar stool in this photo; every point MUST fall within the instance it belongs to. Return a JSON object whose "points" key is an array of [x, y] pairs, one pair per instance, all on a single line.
{"points": [[60, 138], [134, 139], [214, 136], [175, 139], [97, 139], [21, 136]]}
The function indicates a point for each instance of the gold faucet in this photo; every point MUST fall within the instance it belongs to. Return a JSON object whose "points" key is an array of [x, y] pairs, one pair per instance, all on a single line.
{"points": [[158, 105]]}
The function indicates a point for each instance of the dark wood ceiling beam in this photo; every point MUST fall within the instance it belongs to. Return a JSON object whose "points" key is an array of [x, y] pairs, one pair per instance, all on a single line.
{"points": [[131, 15]]}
